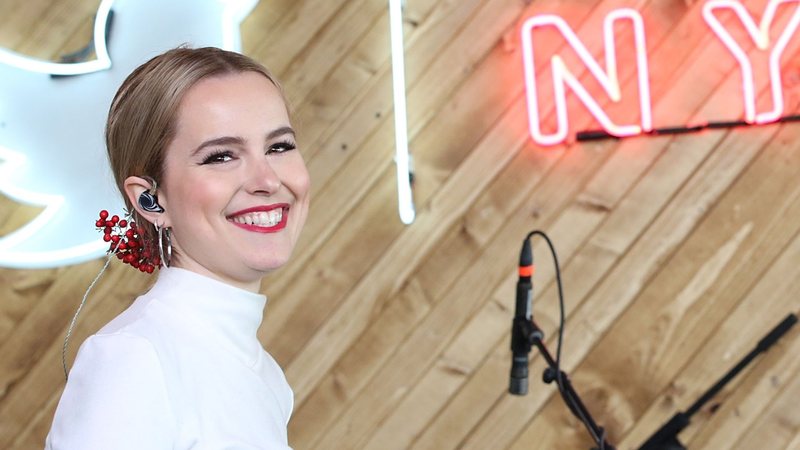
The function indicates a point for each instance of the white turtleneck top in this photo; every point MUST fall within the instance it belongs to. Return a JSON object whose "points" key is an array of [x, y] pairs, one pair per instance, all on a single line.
{"points": [[181, 368]]}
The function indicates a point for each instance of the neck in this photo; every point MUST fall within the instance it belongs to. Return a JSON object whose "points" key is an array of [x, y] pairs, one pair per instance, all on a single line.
{"points": [[252, 285]]}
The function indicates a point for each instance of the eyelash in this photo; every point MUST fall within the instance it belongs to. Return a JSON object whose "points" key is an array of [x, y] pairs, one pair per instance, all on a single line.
{"points": [[278, 147], [285, 146], [215, 158]]}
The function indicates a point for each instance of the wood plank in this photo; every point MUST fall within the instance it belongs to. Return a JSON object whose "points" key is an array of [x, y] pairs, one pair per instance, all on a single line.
{"points": [[292, 32], [392, 380], [777, 293], [795, 444], [351, 373], [365, 168], [459, 418], [14, 215], [340, 385], [592, 199], [358, 92], [618, 289], [357, 24], [609, 394], [403, 419], [47, 36], [445, 197], [27, 393], [33, 435], [262, 20], [26, 344], [374, 405], [19, 291], [761, 248], [17, 19], [680, 306], [780, 422], [355, 172]]}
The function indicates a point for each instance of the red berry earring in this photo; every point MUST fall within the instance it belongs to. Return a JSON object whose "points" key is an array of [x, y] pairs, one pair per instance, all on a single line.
{"points": [[126, 240]]}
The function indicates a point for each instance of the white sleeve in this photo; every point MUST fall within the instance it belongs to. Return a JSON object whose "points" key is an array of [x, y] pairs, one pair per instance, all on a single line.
{"points": [[115, 399]]}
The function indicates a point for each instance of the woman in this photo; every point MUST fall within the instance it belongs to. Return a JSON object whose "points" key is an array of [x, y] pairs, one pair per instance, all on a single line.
{"points": [[202, 148]]}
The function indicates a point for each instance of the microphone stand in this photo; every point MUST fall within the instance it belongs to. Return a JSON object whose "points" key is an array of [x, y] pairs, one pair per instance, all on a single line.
{"points": [[666, 437], [533, 335]]}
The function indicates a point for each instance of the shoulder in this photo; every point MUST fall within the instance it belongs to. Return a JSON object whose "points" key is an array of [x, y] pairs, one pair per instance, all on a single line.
{"points": [[116, 357], [115, 393], [133, 320]]}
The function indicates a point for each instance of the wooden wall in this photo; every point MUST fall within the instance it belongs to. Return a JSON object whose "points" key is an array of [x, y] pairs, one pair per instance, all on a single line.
{"points": [[678, 253]]}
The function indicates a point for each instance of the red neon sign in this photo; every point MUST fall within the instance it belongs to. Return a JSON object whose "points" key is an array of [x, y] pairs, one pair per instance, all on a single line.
{"points": [[608, 79], [760, 36]]}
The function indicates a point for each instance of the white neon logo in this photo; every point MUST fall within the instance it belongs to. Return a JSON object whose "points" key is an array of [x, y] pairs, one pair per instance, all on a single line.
{"points": [[102, 62], [51, 129], [760, 36], [607, 78]]}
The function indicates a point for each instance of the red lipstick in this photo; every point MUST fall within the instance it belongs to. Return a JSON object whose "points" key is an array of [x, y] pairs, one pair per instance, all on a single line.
{"points": [[263, 208]]}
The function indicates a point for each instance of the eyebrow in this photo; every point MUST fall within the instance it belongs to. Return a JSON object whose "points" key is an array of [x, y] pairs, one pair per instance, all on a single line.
{"points": [[236, 140]]}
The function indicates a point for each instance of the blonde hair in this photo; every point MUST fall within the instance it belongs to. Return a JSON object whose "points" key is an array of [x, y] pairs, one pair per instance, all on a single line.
{"points": [[142, 118]]}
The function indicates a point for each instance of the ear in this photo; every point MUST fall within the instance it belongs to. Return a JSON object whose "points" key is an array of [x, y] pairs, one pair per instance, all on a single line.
{"points": [[134, 187]]}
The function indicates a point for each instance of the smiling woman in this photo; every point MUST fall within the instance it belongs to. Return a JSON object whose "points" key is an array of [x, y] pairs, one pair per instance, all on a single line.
{"points": [[202, 147]]}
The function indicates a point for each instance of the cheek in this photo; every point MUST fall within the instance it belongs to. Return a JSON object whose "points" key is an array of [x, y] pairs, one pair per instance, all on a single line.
{"points": [[297, 180], [197, 198]]}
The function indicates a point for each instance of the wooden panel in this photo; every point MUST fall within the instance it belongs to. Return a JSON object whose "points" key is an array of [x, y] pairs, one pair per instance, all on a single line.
{"points": [[678, 252]]}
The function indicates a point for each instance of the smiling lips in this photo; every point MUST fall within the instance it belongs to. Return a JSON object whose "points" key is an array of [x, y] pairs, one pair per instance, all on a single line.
{"points": [[261, 219]]}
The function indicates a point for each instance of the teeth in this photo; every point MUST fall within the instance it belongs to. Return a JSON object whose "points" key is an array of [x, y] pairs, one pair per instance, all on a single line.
{"points": [[262, 219]]}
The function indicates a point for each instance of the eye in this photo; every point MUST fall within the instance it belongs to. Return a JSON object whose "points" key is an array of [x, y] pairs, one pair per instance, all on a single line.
{"points": [[218, 157], [280, 147]]}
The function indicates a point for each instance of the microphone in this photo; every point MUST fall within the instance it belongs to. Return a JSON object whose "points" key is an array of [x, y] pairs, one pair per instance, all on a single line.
{"points": [[520, 326]]}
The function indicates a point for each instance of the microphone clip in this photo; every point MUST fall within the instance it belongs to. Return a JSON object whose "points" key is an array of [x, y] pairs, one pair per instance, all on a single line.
{"points": [[526, 334]]}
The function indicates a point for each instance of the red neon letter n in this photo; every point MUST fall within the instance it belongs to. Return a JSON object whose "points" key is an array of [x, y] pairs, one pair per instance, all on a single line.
{"points": [[562, 77]]}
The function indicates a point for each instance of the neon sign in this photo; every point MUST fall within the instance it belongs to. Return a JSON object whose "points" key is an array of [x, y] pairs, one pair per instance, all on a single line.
{"points": [[402, 158], [562, 77], [760, 36]]}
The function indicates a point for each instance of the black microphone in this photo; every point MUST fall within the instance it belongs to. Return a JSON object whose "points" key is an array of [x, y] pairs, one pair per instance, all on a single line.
{"points": [[520, 326]]}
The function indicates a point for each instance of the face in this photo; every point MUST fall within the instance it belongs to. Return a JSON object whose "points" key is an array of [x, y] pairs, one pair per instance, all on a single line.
{"points": [[236, 188]]}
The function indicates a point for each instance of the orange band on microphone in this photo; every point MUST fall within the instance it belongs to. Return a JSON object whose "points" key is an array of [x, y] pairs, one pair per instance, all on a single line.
{"points": [[526, 271]]}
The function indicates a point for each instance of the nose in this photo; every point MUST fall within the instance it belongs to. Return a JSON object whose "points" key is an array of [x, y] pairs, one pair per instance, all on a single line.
{"points": [[262, 178]]}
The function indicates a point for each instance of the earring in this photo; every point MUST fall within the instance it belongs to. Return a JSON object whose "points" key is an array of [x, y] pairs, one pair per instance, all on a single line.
{"points": [[148, 200], [164, 237]]}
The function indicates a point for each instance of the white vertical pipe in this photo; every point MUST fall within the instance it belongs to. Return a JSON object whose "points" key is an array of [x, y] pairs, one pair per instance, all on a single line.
{"points": [[402, 158]]}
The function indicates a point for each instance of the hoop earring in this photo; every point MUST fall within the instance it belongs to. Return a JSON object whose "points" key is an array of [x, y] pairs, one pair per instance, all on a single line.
{"points": [[164, 234]]}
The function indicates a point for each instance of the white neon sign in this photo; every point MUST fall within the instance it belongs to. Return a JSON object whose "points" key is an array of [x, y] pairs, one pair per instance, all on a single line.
{"points": [[102, 62], [563, 77], [51, 129], [405, 201], [760, 36]]}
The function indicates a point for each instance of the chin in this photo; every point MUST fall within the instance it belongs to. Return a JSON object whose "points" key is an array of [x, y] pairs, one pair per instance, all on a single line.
{"points": [[268, 265]]}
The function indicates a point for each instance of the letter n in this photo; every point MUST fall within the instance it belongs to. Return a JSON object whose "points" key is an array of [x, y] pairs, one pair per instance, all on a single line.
{"points": [[563, 77]]}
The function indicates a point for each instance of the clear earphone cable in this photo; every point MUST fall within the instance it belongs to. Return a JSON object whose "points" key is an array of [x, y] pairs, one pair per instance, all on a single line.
{"points": [[80, 307]]}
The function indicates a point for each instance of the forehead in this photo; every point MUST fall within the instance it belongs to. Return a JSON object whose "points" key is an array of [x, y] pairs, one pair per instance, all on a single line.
{"points": [[239, 104]]}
